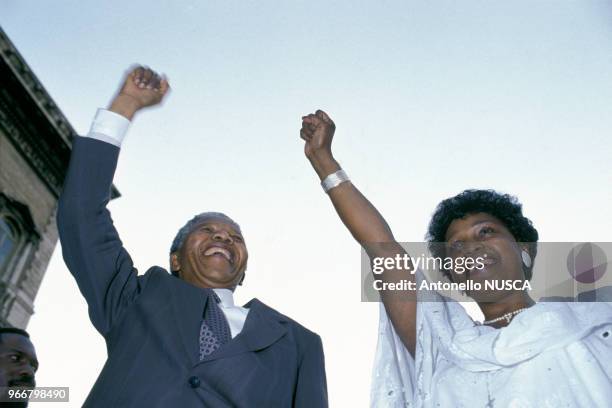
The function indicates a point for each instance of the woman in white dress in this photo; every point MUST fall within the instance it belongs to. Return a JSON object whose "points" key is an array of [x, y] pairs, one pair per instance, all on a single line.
{"points": [[430, 352]]}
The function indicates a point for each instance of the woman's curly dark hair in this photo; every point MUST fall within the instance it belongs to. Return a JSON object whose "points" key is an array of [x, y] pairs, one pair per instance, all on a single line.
{"points": [[505, 207]]}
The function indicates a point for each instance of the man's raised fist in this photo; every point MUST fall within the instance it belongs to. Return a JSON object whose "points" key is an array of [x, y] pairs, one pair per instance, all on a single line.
{"points": [[142, 88]]}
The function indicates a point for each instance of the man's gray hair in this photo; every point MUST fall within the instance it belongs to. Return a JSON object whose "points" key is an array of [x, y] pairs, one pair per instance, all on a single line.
{"points": [[198, 219]]}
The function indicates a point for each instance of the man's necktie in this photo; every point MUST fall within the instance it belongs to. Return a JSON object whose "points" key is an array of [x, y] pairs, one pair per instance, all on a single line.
{"points": [[215, 331]]}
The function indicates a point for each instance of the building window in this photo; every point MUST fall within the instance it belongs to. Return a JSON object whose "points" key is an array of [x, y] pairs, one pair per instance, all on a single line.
{"points": [[18, 236], [9, 239]]}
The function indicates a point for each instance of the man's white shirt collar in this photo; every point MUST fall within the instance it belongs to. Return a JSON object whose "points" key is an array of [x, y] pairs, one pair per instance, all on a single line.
{"points": [[226, 296]]}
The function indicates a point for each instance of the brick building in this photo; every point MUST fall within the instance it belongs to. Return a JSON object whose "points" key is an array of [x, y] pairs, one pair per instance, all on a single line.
{"points": [[35, 140]]}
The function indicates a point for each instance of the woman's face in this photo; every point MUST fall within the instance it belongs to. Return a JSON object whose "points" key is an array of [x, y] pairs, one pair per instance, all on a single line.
{"points": [[483, 235]]}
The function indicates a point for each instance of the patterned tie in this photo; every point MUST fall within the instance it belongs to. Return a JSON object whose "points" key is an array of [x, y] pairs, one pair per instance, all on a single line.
{"points": [[215, 331]]}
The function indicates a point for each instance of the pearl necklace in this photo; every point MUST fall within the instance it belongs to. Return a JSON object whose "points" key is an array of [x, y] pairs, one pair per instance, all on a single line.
{"points": [[508, 316]]}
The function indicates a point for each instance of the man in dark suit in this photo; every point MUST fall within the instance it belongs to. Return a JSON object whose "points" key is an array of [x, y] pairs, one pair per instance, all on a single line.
{"points": [[175, 341]]}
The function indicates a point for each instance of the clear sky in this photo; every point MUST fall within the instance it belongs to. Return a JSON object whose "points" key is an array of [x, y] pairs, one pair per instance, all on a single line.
{"points": [[429, 98]]}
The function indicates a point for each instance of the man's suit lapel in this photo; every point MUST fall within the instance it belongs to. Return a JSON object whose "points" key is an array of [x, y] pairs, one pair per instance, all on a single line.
{"points": [[261, 329], [189, 303]]}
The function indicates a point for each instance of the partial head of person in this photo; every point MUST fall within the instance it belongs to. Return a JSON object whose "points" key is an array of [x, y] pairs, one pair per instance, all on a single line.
{"points": [[18, 362], [209, 252], [486, 224]]}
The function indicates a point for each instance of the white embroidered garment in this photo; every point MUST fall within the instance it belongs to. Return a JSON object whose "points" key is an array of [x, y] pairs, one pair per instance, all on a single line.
{"points": [[550, 355]]}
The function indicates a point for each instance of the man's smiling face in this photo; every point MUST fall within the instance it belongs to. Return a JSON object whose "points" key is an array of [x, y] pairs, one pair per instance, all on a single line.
{"points": [[213, 255]]}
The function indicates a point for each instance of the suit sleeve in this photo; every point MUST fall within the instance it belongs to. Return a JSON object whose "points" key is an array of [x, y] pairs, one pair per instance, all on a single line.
{"points": [[311, 389], [91, 246]]}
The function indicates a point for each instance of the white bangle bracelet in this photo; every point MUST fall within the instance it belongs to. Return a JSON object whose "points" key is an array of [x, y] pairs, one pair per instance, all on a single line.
{"points": [[334, 180]]}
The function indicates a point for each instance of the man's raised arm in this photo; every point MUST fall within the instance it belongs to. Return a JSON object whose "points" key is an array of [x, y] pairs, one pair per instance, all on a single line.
{"points": [[90, 244], [362, 219]]}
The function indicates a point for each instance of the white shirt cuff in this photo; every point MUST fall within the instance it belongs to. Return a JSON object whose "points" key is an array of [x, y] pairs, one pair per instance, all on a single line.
{"points": [[109, 127]]}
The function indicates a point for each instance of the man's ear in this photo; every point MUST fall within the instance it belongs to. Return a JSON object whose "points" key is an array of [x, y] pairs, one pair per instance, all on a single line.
{"points": [[175, 265], [243, 273]]}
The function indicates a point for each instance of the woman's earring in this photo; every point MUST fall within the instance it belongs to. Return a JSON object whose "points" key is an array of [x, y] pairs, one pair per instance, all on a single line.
{"points": [[526, 258]]}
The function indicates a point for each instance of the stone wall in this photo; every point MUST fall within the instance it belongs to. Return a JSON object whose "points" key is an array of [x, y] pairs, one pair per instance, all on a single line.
{"points": [[20, 182]]}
